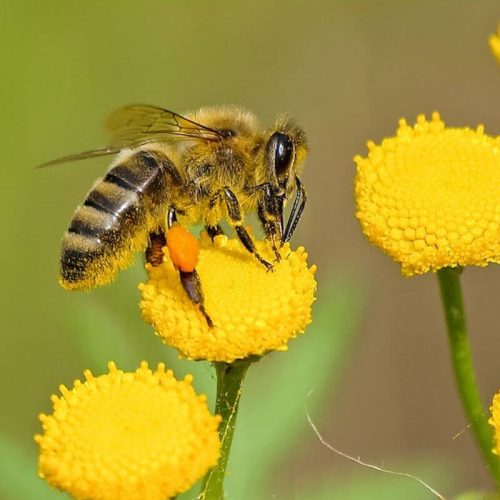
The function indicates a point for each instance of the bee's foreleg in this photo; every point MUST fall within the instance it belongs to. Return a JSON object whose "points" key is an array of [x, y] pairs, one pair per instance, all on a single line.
{"points": [[192, 286], [234, 212], [272, 229], [270, 212]]}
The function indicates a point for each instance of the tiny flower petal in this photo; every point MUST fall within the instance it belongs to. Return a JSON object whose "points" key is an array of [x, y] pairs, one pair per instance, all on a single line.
{"points": [[128, 436], [495, 421], [430, 196], [253, 310], [494, 41]]}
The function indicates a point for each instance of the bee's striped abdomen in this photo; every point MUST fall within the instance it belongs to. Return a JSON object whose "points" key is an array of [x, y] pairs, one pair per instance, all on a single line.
{"points": [[115, 219]]}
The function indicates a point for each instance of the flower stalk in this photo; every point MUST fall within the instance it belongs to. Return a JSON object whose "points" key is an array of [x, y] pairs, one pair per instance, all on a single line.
{"points": [[230, 378], [451, 295]]}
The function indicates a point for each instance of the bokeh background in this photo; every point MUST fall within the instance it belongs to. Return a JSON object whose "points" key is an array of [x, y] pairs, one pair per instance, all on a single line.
{"points": [[376, 356]]}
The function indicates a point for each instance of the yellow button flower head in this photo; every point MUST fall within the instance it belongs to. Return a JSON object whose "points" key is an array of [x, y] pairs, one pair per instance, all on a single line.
{"points": [[495, 421], [128, 436], [494, 41], [430, 197], [253, 310]]}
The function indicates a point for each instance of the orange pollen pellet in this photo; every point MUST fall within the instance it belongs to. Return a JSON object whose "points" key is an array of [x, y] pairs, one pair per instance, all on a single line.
{"points": [[183, 247]]}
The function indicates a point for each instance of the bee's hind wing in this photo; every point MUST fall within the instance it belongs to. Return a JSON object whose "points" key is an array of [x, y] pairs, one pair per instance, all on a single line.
{"points": [[92, 153]]}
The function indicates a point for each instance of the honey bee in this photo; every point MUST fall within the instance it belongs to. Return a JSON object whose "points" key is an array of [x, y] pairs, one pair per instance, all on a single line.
{"points": [[213, 164]]}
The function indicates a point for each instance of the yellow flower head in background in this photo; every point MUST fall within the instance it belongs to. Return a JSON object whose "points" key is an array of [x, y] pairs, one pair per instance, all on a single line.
{"points": [[128, 436], [494, 41], [495, 421], [253, 310], [430, 196]]}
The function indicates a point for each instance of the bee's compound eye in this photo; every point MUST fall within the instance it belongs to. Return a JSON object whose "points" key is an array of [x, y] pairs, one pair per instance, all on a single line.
{"points": [[283, 152]]}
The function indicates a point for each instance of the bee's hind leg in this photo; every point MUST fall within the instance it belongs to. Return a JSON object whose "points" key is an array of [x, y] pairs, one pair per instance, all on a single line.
{"points": [[192, 286], [190, 280]]}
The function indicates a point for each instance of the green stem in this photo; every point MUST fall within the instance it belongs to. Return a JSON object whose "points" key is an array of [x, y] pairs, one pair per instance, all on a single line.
{"points": [[229, 383], [451, 295]]}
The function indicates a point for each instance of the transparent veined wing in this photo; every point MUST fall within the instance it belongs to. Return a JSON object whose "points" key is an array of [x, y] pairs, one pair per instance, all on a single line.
{"points": [[138, 124]]}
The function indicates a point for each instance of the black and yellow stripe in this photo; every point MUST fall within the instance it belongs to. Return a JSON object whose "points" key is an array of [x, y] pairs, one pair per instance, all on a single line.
{"points": [[115, 219]]}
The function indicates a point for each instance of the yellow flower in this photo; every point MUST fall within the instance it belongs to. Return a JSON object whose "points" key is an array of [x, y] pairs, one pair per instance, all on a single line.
{"points": [[430, 196], [253, 310], [495, 421], [494, 41], [128, 436]]}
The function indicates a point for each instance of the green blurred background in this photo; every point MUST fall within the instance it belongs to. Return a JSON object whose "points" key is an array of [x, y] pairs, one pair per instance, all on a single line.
{"points": [[376, 356]]}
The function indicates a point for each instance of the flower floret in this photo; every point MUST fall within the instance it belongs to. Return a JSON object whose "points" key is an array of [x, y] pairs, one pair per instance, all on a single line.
{"points": [[495, 421], [494, 42]]}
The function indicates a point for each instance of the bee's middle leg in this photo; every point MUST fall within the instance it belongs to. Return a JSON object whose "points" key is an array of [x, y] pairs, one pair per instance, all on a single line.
{"points": [[234, 212], [214, 231], [154, 250]]}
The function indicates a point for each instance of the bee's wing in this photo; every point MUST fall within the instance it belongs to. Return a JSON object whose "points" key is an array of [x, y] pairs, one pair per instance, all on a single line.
{"points": [[93, 153], [138, 124]]}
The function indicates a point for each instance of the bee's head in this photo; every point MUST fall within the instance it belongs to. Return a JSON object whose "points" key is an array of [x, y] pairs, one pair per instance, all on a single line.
{"points": [[285, 152]]}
